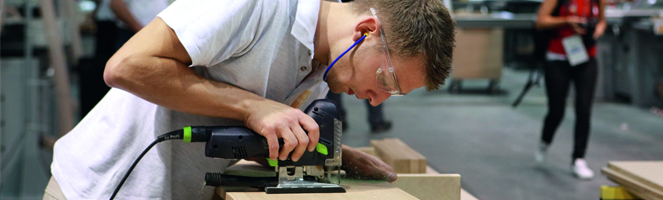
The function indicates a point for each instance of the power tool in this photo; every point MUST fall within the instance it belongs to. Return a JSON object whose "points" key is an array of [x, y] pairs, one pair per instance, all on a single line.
{"points": [[313, 173]]}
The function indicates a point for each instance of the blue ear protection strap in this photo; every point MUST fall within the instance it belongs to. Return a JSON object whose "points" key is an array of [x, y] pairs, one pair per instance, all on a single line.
{"points": [[324, 77]]}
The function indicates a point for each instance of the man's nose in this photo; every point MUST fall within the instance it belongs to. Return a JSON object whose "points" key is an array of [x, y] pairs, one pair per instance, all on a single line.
{"points": [[378, 98]]}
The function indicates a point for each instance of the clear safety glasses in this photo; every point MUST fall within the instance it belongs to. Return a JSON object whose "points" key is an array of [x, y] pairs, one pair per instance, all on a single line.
{"points": [[385, 76]]}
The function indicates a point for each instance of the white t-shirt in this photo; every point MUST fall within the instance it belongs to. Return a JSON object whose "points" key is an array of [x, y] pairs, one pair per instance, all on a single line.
{"points": [[262, 46]]}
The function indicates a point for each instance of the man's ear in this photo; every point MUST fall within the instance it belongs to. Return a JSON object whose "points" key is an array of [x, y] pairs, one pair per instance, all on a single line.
{"points": [[368, 25]]}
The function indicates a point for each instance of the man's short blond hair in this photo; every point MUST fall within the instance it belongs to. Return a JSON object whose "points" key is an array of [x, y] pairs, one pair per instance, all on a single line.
{"points": [[417, 27]]}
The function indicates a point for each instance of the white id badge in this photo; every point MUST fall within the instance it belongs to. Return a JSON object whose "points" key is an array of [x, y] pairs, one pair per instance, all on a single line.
{"points": [[575, 50]]}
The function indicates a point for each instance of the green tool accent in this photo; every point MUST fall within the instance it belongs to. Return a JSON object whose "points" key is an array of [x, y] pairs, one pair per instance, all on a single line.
{"points": [[321, 148], [187, 134], [273, 163]]}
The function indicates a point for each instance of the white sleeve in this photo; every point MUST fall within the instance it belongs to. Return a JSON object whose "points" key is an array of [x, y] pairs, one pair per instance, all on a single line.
{"points": [[213, 30]]}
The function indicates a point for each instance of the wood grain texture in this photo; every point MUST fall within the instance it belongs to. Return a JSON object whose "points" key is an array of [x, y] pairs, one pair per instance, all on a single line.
{"points": [[430, 186], [401, 157]]}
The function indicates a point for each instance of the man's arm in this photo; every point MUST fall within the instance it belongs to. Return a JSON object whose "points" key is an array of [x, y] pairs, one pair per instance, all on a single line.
{"points": [[153, 65]]}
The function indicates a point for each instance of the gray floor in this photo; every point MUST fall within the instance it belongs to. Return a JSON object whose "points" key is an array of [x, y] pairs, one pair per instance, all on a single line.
{"points": [[491, 145]]}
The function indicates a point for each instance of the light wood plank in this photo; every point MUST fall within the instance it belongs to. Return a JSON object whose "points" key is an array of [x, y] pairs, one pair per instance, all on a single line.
{"points": [[633, 186], [401, 157], [649, 173], [430, 186]]}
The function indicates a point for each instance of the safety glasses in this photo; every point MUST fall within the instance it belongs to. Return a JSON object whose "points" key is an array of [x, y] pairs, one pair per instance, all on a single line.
{"points": [[385, 76]]}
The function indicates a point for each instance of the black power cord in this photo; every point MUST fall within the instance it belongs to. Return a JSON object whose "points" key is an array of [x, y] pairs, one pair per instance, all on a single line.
{"points": [[188, 134], [177, 134]]}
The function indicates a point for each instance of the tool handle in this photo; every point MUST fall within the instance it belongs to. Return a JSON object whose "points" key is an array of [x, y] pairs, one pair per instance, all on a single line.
{"points": [[236, 142]]}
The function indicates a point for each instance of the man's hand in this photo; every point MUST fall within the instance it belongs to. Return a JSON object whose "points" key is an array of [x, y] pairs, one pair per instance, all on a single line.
{"points": [[275, 120], [360, 165]]}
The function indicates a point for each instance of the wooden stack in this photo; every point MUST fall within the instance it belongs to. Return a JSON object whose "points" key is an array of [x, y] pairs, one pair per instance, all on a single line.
{"points": [[642, 178]]}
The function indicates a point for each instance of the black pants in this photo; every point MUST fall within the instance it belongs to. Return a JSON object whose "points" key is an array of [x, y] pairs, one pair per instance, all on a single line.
{"points": [[559, 75]]}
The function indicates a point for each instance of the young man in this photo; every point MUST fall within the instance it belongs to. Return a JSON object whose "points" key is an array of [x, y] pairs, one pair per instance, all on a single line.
{"points": [[254, 63]]}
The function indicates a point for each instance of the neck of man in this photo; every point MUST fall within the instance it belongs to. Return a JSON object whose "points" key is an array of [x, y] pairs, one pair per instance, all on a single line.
{"points": [[330, 28]]}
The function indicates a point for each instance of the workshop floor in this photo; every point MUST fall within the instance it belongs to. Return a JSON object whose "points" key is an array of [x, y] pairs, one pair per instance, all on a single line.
{"points": [[491, 145]]}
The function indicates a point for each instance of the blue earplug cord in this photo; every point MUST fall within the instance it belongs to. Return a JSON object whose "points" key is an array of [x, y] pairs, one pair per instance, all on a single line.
{"points": [[324, 77]]}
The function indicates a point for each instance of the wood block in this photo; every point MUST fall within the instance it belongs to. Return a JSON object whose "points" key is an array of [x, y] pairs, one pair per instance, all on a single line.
{"points": [[400, 156], [633, 186], [430, 186]]}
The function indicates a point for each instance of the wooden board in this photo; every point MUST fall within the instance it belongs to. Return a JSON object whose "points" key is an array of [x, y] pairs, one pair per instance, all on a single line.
{"points": [[640, 178], [430, 186], [356, 189], [401, 157], [649, 173]]}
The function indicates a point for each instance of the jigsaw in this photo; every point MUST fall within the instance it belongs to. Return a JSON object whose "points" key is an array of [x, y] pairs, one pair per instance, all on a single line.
{"points": [[314, 172]]}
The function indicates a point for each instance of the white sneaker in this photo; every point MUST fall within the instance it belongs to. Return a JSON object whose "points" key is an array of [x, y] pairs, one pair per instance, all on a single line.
{"points": [[581, 170], [540, 154]]}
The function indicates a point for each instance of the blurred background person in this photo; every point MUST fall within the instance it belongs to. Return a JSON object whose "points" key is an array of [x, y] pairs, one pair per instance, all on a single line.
{"points": [[567, 21]]}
